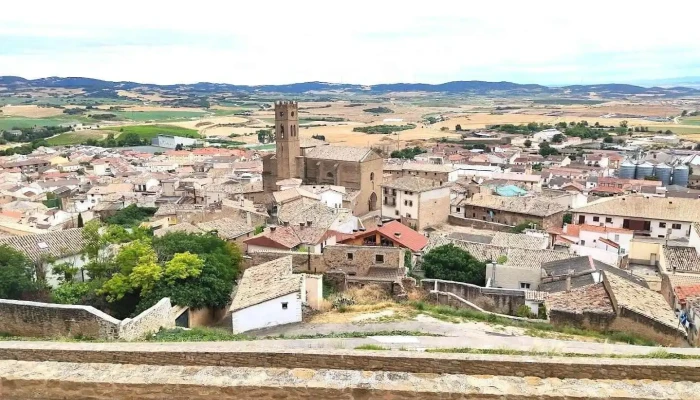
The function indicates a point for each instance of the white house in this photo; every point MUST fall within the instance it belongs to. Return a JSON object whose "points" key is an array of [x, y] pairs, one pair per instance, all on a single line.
{"points": [[654, 217], [604, 244], [546, 134], [270, 294], [332, 196], [171, 142]]}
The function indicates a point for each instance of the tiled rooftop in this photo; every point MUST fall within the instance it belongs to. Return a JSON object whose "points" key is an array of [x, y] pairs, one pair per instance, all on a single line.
{"points": [[226, 228], [53, 244], [681, 259], [522, 205], [590, 299], [265, 282], [676, 209], [339, 153], [413, 184]]}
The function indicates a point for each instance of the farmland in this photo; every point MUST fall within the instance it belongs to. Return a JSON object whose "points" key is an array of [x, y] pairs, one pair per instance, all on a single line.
{"points": [[73, 138], [151, 131], [143, 116], [7, 123]]}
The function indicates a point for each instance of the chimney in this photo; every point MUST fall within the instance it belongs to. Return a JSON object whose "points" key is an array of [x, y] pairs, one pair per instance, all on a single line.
{"points": [[285, 223], [301, 225], [568, 283], [308, 222], [273, 228], [397, 234]]}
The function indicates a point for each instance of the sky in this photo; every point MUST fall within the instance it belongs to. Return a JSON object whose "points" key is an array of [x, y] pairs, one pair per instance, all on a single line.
{"points": [[356, 41]]}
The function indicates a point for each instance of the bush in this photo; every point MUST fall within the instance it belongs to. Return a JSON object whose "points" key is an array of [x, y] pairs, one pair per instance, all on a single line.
{"points": [[379, 110], [452, 263], [524, 312], [72, 293], [382, 129]]}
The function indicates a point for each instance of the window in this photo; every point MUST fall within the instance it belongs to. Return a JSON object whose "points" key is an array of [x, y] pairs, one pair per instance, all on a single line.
{"points": [[662, 224], [676, 226], [329, 175], [410, 203], [524, 285], [473, 215], [350, 256], [608, 220], [583, 243], [281, 114], [396, 212], [405, 202], [285, 305], [379, 258], [281, 132], [292, 113], [408, 215], [596, 219], [617, 238], [371, 176], [458, 210]]}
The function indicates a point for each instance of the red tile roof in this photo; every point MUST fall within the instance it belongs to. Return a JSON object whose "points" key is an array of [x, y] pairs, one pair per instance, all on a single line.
{"points": [[406, 237], [686, 292]]}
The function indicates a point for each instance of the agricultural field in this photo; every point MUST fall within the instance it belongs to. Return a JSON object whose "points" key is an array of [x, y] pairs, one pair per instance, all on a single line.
{"points": [[151, 131], [7, 123], [143, 116], [691, 121], [73, 138]]}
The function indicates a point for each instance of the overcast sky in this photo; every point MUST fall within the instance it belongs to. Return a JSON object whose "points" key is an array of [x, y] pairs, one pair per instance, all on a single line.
{"points": [[355, 41]]}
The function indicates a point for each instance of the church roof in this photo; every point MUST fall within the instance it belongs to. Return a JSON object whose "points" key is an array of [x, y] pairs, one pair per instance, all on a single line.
{"points": [[339, 153]]}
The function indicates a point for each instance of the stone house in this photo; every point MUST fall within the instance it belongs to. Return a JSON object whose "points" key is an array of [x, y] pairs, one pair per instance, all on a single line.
{"points": [[416, 201], [513, 211]]}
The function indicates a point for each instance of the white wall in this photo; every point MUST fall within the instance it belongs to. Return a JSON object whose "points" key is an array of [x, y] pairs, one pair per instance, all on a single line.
{"points": [[656, 230], [592, 239], [508, 277], [601, 255], [268, 314], [332, 198]]}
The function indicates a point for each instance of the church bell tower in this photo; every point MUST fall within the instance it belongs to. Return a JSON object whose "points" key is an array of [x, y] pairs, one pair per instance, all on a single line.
{"points": [[287, 138]]}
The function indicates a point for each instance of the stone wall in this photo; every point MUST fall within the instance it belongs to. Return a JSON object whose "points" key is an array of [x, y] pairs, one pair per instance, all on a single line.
{"points": [[149, 321], [25, 318], [477, 223], [506, 301], [301, 261], [587, 320], [237, 355], [512, 218]]}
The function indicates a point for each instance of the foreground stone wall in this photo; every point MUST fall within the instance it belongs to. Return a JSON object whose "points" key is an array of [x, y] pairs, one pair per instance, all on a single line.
{"points": [[53, 381], [237, 355], [26, 318], [506, 301]]}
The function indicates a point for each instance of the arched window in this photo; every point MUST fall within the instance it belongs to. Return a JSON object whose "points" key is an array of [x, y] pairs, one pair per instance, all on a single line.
{"points": [[281, 114], [329, 175], [292, 113], [281, 131], [371, 176]]}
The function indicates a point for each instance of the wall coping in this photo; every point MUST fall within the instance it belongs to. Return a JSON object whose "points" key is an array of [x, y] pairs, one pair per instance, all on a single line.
{"points": [[90, 309]]}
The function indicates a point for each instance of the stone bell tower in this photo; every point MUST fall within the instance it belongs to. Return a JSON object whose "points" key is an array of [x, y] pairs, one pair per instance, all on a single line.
{"points": [[287, 138]]}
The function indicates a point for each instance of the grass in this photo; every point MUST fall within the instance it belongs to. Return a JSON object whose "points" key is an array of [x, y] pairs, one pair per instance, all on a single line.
{"points": [[151, 131], [371, 347], [219, 335], [536, 329], [72, 138], [656, 354]]}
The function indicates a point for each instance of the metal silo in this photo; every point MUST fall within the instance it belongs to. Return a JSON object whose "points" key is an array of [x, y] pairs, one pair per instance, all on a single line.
{"points": [[663, 171], [680, 175], [644, 169], [627, 170]]}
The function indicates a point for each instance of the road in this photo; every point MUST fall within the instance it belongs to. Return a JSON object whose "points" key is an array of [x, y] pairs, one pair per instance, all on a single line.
{"points": [[470, 334]]}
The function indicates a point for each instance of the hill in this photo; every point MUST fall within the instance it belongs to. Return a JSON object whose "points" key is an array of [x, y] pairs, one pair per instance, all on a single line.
{"points": [[102, 87]]}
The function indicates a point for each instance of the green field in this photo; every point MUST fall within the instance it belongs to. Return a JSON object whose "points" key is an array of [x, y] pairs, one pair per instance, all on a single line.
{"points": [[691, 121], [23, 122], [151, 131], [73, 138], [142, 116]]}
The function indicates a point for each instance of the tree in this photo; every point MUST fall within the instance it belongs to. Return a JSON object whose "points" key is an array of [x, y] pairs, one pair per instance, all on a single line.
{"points": [[130, 139], [183, 266], [547, 150], [528, 143], [623, 124], [132, 215], [668, 132], [458, 127], [16, 273], [684, 113], [558, 138], [178, 147], [568, 218], [80, 220], [608, 139], [449, 262]]}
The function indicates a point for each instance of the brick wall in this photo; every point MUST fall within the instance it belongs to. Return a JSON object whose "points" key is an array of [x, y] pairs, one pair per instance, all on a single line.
{"points": [[206, 354], [25, 318]]}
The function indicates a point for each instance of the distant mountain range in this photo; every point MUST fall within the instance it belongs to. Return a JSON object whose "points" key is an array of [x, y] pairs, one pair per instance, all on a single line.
{"points": [[456, 87]]}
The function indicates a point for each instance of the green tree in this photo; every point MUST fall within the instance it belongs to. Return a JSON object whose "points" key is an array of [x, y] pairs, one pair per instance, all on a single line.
{"points": [[608, 139], [116, 287], [623, 124], [16, 273], [183, 266], [558, 138], [458, 127], [80, 220], [449, 262], [568, 218], [131, 215], [547, 150], [71, 292], [145, 275], [117, 234], [520, 228], [528, 143]]}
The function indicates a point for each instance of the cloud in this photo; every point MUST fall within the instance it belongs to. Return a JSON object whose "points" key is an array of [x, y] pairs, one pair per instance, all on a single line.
{"points": [[361, 41]]}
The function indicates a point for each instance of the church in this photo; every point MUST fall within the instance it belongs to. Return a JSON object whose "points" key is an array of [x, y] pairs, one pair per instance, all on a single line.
{"points": [[358, 169]]}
